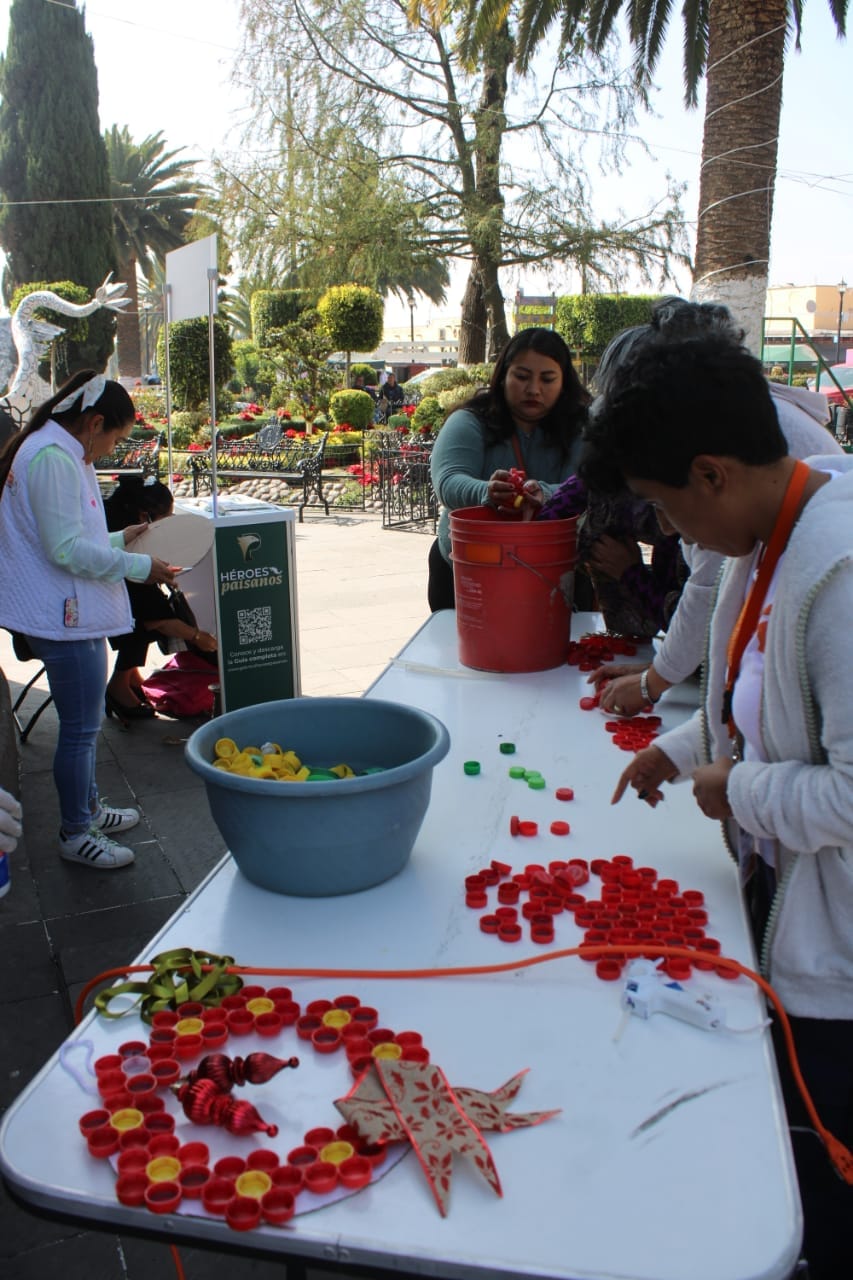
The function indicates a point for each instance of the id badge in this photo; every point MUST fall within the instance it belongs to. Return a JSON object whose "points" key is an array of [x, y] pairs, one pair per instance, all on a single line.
{"points": [[72, 612]]}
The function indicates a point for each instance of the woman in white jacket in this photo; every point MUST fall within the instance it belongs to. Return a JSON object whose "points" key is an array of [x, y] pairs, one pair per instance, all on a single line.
{"points": [[691, 427], [62, 589]]}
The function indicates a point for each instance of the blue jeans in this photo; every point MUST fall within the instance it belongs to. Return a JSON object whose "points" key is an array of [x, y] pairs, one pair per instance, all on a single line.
{"points": [[77, 677]]}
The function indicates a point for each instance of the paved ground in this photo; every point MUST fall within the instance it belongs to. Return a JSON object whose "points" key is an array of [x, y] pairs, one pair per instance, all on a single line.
{"points": [[361, 595]]}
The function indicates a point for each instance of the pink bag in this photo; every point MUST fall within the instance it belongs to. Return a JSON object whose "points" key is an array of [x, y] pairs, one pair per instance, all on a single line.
{"points": [[181, 688]]}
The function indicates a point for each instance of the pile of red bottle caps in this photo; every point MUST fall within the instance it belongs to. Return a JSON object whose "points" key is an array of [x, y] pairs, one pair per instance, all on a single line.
{"points": [[635, 908], [592, 651], [549, 891], [633, 733]]}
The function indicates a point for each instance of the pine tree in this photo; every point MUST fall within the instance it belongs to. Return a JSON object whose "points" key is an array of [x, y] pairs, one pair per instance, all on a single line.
{"points": [[51, 150]]}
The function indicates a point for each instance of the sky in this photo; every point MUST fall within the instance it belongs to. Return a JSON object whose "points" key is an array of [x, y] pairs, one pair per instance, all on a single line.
{"points": [[166, 65]]}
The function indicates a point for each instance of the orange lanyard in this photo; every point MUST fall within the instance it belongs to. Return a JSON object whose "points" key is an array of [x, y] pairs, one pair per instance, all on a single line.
{"points": [[747, 621]]}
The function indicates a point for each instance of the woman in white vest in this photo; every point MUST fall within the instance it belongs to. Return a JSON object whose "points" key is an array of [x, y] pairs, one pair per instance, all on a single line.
{"points": [[62, 588]]}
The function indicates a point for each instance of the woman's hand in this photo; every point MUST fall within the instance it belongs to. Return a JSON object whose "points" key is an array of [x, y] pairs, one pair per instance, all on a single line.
{"points": [[645, 773], [501, 490], [621, 692], [623, 696], [205, 641], [611, 670], [10, 821], [710, 787], [133, 531], [532, 498], [612, 556], [162, 572]]}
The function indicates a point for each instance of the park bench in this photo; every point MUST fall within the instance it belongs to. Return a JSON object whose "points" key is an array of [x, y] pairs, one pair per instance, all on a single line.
{"points": [[131, 457], [268, 454]]}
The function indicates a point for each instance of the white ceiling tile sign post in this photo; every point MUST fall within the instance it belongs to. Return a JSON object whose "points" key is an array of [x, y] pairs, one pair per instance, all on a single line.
{"points": [[191, 278]]}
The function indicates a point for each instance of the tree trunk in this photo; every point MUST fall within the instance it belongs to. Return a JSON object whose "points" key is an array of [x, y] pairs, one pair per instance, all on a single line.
{"points": [[128, 343], [485, 210], [746, 52], [472, 328]]}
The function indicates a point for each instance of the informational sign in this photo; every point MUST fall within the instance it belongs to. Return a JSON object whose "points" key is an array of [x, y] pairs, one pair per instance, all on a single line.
{"points": [[531, 312], [255, 612], [187, 279]]}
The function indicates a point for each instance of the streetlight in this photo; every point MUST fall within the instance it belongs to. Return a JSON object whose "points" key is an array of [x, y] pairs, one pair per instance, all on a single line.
{"points": [[412, 319], [842, 289]]}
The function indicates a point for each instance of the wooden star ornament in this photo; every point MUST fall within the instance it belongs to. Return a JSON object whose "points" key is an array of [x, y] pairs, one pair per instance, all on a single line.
{"points": [[396, 1101]]}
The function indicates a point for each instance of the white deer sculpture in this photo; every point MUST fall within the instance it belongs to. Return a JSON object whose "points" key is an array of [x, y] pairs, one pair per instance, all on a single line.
{"points": [[31, 338]]}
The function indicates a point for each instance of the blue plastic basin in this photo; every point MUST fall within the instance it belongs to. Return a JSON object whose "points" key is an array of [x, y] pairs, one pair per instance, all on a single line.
{"points": [[315, 839]]}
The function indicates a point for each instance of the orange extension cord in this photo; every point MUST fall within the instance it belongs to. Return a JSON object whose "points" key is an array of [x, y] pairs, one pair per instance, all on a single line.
{"points": [[839, 1155]]}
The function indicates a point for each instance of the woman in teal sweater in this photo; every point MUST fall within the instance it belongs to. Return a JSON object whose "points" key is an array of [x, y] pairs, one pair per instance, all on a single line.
{"points": [[530, 418]]}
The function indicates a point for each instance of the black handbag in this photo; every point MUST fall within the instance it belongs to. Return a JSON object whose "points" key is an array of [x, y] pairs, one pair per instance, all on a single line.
{"points": [[181, 610]]}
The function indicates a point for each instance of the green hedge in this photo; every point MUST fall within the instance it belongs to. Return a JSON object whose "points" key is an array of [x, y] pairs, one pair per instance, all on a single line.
{"points": [[588, 321]]}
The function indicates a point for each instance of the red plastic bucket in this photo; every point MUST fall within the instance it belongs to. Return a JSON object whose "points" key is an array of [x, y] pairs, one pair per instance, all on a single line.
{"points": [[514, 583]]}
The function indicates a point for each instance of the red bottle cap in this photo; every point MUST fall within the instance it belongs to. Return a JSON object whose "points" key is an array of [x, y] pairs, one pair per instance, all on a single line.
{"points": [[193, 1179], [608, 968], [564, 793], [131, 1188], [560, 828], [243, 1213], [540, 934], [277, 1206], [509, 892], [528, 828], [355, 1172], [163, 1197], [514, 825], [509, 931], [489, 924], [502, 868], [321, 1177], [477, 900]]}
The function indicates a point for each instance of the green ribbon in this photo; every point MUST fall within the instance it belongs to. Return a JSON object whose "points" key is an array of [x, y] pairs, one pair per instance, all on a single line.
{"points": [[178, 977]]}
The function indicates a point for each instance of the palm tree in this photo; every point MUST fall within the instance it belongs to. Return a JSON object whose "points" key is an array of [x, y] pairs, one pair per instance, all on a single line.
{"points": [[739, 47], [154, 197]]}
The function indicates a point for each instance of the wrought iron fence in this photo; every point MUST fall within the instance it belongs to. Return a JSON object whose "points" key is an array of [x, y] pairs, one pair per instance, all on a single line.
{"points": [[404, 481]]}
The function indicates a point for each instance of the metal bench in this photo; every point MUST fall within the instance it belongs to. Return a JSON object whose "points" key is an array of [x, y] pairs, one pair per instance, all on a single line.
{"points": [[268, 454], [131, 457]]}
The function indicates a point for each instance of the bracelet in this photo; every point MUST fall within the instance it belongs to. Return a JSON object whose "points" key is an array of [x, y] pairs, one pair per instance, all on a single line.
{"points": [[644, 687]]}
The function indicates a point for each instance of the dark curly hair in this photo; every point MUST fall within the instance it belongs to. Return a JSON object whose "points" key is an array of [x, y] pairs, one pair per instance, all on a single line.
{"points": [[673, 399]]}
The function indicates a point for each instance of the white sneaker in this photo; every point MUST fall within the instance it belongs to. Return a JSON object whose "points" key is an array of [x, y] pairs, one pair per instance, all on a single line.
{"points": [[109, 819], [94, 849]]}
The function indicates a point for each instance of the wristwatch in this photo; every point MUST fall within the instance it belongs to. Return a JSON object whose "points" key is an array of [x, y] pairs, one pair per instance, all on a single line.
{"points": [[644, 687]]}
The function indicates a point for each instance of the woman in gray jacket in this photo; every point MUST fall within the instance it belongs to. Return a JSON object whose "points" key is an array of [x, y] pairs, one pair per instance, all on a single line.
{"points": [[690, 426]]}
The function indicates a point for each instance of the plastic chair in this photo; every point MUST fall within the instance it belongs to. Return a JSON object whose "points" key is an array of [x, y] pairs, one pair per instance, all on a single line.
{"points": [[23, 653]]}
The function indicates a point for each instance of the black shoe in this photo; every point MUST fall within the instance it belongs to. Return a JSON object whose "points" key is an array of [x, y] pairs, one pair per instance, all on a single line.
{"points": [[122, 713]]}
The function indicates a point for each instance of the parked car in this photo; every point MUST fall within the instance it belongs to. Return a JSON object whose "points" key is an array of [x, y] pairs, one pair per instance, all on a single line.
{"points": [[843, 373]]}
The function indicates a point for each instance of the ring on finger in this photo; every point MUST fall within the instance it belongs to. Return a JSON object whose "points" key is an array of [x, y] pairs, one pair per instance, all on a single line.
{"points": [[617, 708]]}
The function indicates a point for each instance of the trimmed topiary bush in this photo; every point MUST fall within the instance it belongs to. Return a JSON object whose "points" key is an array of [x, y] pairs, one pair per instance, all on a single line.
{"points": [[189, 362], [429, 415], [363, 370], [353, 407]]}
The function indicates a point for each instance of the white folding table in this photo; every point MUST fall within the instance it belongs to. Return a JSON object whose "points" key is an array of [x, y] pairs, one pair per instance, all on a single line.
{"points": [[670, 1159]]}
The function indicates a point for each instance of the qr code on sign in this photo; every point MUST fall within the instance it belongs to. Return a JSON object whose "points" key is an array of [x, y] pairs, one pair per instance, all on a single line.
{"points": [[254, 626]]}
